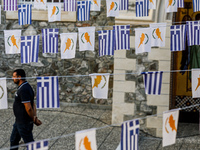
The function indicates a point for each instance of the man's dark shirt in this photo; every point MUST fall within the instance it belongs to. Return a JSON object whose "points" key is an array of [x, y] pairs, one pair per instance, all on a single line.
{"points": [[23, 95]]}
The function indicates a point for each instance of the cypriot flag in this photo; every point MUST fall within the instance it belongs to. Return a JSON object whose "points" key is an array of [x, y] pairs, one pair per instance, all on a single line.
{"points": [[152, 4], [100, 85], [158, 31], [170, 124], [171, 5], [86, 139], [86, 38], [68, 45], [12, 40], [54, 12], [142, 40], [40, 4], [95, 5], [196, 83], [112, 8], [3, 94]]}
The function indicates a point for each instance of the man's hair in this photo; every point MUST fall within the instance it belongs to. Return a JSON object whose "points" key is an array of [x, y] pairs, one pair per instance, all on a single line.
{"points": [[20, 72]]}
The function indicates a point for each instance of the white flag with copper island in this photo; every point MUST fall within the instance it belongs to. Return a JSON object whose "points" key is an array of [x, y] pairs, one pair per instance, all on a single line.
{"points": [[152, 4], [171, 5], [196, 83], [100, 85], [86, 38], [95, 5], [158, 31], [40, 4], [112, 8], [3, 94], [12, 40], [68, 45], [54, 12], [142, 40], [170, 124], [86, 139]]}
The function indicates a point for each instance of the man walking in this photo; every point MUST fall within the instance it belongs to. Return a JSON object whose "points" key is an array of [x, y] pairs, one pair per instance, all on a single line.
{"points": [[24, 110]]}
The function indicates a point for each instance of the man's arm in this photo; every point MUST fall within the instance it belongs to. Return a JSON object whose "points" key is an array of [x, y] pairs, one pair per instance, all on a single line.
{"points": [[32, 113]]}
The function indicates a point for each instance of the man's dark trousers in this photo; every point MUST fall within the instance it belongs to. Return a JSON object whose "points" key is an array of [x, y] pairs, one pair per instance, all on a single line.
{"points": [[23, 131]]}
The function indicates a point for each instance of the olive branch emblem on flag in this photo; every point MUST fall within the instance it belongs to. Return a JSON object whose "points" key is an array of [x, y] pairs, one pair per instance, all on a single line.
{"points": [[87, 38], [170, 3], [142, 38], [69, 43], [158, 34], [98, 80], [2, 93], [95, 2]]}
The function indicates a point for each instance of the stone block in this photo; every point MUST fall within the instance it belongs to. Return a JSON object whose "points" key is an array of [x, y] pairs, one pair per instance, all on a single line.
{"points": [[127, 86], [132, 41], [167, 43], [161, 109], [158, 54], [119, 110], [119, 75], [120, 54], [118, 97], [159, 132], [166, 78], [124, 64], [43, 15], [167, 32], [164, 65], [158, 100], [165, 88], [154, 122]]}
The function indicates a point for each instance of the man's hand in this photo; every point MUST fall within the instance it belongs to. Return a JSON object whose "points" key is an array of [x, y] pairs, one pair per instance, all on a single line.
{"points": [[36, 121]]}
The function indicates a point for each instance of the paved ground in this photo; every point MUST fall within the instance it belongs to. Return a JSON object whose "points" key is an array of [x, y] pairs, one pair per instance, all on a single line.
{"points": [[67, 120]]}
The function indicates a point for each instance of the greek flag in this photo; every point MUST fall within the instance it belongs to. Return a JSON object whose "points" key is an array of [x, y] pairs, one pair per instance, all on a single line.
{"points": [[10, 5], [153, 82], [24, 14], [39, 145], [193, 32], [196, 5], [142, 8], [50, 40], [177, 37], [129, 135], [29, 49], [123, 4], [122, 37], [180, 3], [70, 5], [83, 10], [47, 92], [106, 42]]}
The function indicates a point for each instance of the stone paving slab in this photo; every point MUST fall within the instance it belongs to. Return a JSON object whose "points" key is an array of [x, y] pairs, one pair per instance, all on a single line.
{"points": [[67, 120]]}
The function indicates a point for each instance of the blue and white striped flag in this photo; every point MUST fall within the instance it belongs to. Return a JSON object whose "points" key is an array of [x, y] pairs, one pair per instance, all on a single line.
{"points": [[39, 145], [106, 42], [70, 5], [142, 8], [47, 92], [29, 49], [193, 32], [153, 82], [122, 37], [196, 5], [123, 4], [177, 37], [180, 3], [10, 5], [83, 10], [24, 14], [130, 135], [50, 40]]}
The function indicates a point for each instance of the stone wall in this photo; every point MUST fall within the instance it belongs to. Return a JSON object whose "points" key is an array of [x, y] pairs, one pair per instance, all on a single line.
{"points": [[73, 89]]}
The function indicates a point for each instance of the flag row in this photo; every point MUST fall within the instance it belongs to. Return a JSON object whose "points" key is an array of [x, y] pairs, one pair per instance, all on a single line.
{"points": [[86, 139], [28, 46]]}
